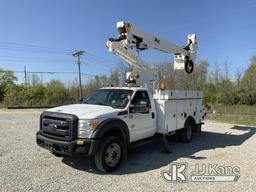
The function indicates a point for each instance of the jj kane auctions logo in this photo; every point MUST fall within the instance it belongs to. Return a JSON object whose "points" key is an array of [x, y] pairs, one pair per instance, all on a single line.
{"points": [[201, 173]]}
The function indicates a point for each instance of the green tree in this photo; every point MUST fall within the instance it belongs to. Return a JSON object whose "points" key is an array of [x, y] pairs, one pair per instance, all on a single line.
{"points": [[247, 90], [56, 93], [7, 78]]}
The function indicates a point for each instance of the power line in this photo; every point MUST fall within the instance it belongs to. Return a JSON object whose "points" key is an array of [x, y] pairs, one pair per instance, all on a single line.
{"points": [[47, 72], [43, 60], [28, 47], [32, 46], [47, 50], [94, 63], [10, 46], [32, 61], [32, 50], [100, 62], [34, 58], [99, 58], [47, 59]]}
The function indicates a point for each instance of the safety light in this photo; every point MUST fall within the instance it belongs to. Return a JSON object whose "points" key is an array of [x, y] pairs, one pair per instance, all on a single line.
{"points": [[162, 86], [79, 142]]}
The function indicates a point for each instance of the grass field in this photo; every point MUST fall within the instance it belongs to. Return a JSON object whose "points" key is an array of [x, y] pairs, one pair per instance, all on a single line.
{"points": [[235, 114], [234, 120], [234, 109]]}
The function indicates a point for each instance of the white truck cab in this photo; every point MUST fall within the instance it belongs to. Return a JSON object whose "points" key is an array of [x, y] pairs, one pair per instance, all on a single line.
{"points": [[110, 119]]}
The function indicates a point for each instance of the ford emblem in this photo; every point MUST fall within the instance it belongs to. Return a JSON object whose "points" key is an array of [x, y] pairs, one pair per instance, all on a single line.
{"points": [[52, 126]]}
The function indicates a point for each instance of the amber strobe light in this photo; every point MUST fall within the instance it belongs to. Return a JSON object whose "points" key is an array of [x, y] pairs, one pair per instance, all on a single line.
{"points": [[162, 86]]}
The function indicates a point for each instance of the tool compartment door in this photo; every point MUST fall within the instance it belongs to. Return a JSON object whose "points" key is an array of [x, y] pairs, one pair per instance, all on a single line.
{"points": [[181, 113], [170, 115]]}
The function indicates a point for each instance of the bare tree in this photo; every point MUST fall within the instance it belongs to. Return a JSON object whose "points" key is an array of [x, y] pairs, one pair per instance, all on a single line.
{"points": [[238, 77]]}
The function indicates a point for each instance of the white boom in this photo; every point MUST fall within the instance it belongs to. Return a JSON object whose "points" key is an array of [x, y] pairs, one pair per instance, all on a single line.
{"points": [[131, 40]]}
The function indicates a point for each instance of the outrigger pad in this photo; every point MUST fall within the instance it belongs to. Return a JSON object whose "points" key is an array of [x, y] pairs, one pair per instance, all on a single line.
{"points": [[165, 144]]}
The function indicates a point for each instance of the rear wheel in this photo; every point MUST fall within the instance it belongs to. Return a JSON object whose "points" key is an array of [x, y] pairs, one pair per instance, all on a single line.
{"points": [[109, 154], [186, 134]]}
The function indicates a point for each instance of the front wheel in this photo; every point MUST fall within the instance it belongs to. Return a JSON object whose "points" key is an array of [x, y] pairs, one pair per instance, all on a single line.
{"points": [[109, 154]]}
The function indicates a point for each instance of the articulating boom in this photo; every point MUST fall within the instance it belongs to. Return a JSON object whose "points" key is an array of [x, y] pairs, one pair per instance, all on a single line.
{"points": [[131, 40]]}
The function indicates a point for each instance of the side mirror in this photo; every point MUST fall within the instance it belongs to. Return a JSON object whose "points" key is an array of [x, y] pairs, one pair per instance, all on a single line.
{"points": [[139, 108]]}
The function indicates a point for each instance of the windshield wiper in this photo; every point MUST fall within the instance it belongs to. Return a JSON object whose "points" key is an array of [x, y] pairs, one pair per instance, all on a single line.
{"points": [[115, 106], [99, 104]]}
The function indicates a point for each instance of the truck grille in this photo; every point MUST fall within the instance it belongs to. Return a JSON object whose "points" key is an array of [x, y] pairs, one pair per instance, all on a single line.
{"points": [[58, 125]]}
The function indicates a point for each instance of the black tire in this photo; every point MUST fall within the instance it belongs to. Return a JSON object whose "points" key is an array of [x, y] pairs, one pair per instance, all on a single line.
{"points": [[186, 134], [105, 160], [189, 66]]}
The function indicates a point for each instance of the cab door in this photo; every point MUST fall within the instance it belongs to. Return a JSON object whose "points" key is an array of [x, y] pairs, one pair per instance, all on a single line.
{"points": [[141, 117]]}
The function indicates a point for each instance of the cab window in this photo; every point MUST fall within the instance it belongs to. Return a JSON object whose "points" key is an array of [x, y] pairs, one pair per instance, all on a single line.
{"points": [[141, 97]]}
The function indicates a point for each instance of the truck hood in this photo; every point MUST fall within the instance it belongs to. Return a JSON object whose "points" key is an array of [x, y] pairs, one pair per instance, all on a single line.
{"points": [[85, 111]]}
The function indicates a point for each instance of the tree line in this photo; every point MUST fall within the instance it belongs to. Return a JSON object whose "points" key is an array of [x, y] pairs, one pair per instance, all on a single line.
{"points": [[217, 85]]}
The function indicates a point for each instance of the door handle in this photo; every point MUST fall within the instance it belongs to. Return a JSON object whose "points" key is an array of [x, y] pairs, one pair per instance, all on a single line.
{"points": [[153, 115]]}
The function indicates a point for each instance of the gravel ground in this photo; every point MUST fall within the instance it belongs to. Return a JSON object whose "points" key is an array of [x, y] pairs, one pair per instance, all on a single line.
{"points": [[26, 167]]}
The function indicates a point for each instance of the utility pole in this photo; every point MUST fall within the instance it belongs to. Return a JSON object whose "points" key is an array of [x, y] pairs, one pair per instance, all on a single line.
{"points": [[78, 54], [25, 76]]}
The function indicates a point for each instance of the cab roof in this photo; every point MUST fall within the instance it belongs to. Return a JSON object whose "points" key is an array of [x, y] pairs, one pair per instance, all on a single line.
{"points": [[125, 88]]}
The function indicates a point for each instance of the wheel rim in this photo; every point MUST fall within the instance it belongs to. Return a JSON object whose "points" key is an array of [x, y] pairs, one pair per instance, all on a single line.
{"points": [[113, 154], [189, 132]]}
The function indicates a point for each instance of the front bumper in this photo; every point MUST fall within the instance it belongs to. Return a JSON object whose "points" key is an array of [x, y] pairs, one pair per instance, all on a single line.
{"points": [[70, 148]]}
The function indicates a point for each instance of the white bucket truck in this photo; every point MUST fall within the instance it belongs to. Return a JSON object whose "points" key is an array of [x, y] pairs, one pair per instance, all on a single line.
{"points": [[107, 122]]}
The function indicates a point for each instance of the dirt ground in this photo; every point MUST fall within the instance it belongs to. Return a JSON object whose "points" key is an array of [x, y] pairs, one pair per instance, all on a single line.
{"points": [[26, 167]]}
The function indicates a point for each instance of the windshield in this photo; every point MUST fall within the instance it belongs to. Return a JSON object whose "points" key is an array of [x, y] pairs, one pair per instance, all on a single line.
{"points": [[116, 98]]}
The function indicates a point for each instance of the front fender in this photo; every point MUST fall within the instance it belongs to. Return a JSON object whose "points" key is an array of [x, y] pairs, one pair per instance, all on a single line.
{"points": [[113, 124]]}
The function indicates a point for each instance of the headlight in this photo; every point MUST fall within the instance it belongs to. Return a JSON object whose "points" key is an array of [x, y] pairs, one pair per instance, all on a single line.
{"points": [[86, 127]]}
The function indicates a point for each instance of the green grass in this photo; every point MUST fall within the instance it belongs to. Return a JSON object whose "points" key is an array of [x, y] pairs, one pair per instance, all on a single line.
{"points": [[233, 120], [1, 105], [234, 109]]}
